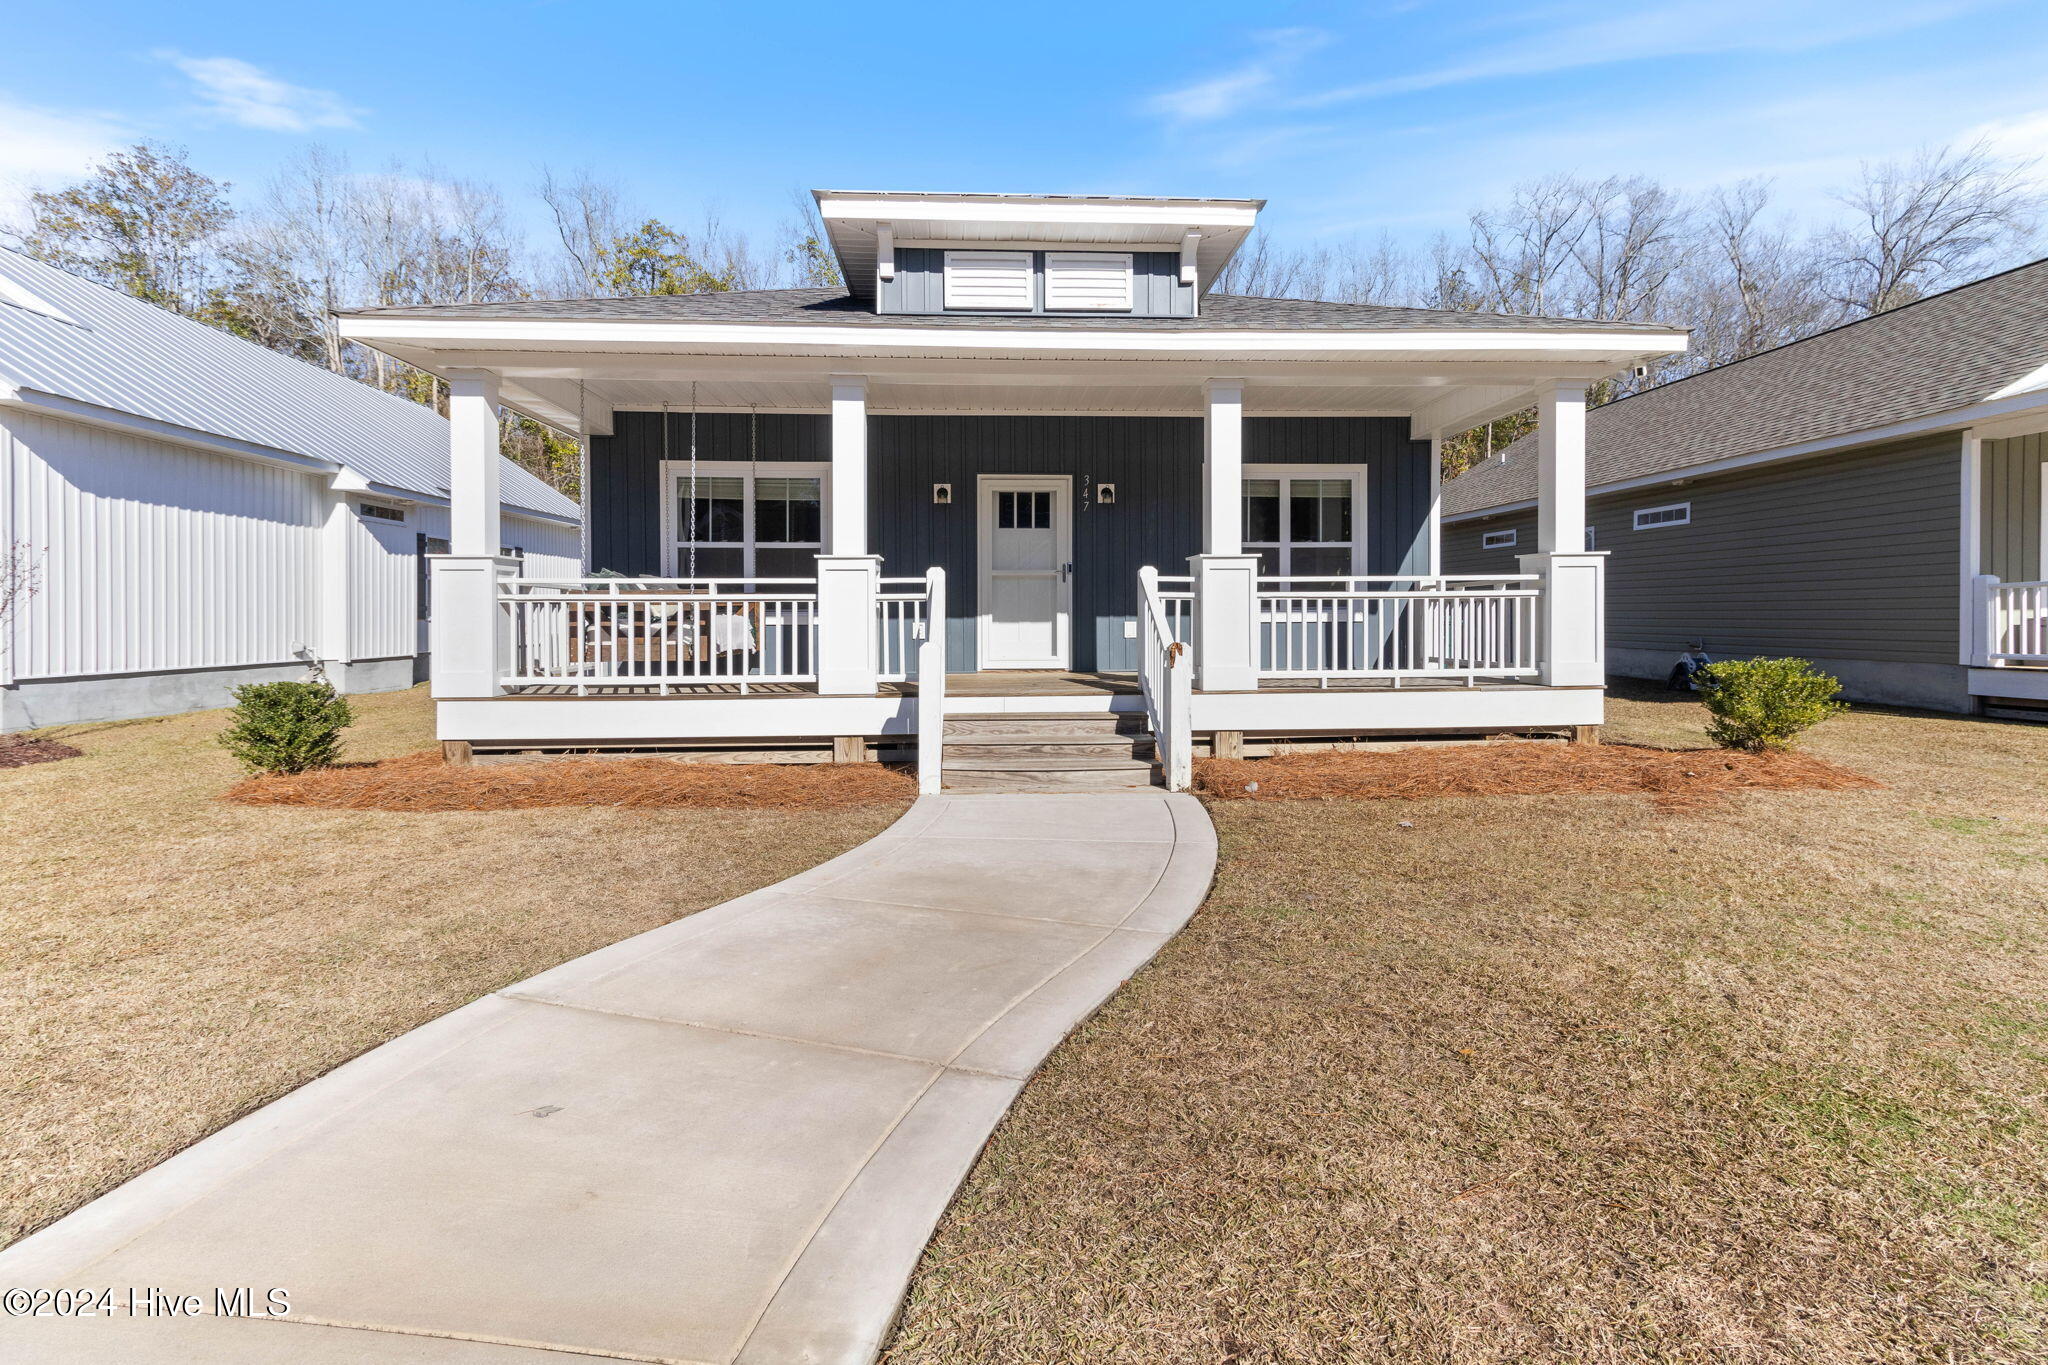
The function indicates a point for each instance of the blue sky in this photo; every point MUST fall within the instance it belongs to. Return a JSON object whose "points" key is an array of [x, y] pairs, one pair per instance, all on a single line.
{"points": [[1349, 118]]}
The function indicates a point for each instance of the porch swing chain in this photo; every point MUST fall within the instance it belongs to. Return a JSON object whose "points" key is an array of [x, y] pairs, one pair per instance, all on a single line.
{"points": [[696, 491]]}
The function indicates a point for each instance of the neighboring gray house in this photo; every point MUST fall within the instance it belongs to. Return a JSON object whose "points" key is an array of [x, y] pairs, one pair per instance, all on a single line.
{"points": [[197, 512], [1869, 498]]}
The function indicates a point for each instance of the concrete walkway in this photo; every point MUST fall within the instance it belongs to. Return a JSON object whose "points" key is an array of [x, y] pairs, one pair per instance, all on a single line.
{"points": [[726, 1140]]}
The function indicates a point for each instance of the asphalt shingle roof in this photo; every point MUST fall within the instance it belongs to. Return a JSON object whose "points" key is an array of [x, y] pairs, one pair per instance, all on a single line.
{"points": [[1944, 352], [129, 356], [834, 307]]}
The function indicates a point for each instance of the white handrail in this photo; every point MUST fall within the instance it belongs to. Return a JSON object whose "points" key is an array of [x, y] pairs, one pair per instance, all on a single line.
{"points": [[931, 687], [1165, 677]]}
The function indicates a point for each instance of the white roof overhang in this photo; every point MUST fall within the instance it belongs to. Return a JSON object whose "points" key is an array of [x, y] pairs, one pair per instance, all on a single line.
{"points": [[854, 220], [572, 374]]}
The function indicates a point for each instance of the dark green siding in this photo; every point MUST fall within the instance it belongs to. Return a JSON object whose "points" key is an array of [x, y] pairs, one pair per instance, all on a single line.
{"points": [[1155, 462], [2012, 507], [1851, 556]]}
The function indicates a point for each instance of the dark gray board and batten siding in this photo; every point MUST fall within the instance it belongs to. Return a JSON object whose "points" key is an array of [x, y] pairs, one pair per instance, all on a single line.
{"points": [[1851, 556], [920, 284], [1155, 463]]}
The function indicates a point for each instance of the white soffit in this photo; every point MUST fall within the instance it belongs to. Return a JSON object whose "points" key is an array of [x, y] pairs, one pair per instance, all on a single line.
{"points": [[853, 220]]}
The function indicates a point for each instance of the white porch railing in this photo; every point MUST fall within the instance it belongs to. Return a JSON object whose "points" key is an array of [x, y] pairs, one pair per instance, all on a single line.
{"points": [[1436, 627], [2015, 622], [1177, 600], [660, 633], [1166, 677], [902, 624]]}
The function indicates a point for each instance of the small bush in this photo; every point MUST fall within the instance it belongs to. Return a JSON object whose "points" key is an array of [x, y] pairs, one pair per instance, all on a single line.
{"points": [[1762, 704], [286, 727]]}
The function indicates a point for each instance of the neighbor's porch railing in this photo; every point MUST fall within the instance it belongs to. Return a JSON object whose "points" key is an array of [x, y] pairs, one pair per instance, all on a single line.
{"points": [[1466, 627], [2014, 619], [660, 633], [1166, 678]]}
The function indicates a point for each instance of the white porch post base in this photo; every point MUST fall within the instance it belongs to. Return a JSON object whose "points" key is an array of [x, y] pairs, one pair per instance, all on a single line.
{"points": [[1572, 634], [469, 633], [1226, 622], [1982, 620], [847, 643]]}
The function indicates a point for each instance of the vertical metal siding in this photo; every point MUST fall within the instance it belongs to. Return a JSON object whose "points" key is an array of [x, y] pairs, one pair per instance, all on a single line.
{"points": [[551, 551], [2012, 507], [1851, 556], [157, 557]]}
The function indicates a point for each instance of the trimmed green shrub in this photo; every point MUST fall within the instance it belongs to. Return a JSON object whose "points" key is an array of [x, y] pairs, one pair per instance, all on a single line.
{"points": [[286, 727], [1763, 704]]}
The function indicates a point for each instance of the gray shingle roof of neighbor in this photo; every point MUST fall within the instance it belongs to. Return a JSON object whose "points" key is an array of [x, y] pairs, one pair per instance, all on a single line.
{"points": [[120, 353], [834, 307], [1944, 352]]}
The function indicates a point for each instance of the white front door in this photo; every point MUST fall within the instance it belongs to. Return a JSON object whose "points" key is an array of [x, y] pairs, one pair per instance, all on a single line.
{"points": [[1026, 571]]}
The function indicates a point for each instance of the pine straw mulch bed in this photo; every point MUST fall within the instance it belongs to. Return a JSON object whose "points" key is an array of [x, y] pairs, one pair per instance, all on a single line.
{"points": [[1673, 778], [422, 782], [18, 751]]}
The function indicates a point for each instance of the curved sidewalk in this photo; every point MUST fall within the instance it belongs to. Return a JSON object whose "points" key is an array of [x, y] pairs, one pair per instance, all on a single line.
{"points": [[724, 1140]]}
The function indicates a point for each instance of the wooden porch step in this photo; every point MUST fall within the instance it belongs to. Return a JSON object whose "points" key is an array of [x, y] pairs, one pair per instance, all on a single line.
{"points": [[1031, 723], [1026, 746], [975, 762], [968, 783]]}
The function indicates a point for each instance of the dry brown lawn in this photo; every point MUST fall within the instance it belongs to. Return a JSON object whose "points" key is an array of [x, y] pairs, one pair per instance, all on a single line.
{"points": [[169, 962], [1556, 1079]]}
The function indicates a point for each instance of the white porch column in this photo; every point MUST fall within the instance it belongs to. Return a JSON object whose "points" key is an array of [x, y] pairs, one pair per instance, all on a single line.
{"points": [[473, 463], [849, 529], [1223, 467], [1571, 614], [1226, 622], [332, 647], [848, 639], [468, 631], [1226, 578]]}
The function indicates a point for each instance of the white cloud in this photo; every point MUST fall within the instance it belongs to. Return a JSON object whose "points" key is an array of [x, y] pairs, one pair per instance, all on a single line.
{"points": [[248, 95], [1221, 96], [2024, 138], [48, 145], [1676, 28]]}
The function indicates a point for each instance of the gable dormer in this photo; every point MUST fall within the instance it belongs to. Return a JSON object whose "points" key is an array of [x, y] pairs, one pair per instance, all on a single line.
{"points": [[1009, 255]]}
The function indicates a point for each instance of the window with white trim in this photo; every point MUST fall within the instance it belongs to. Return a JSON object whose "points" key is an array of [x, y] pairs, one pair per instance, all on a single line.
{"points": [[1671, 514], [1088, 281], [380, 511], [1497, 540], [989, 281], [1592, 537], [1302, 524], [744, 520]]}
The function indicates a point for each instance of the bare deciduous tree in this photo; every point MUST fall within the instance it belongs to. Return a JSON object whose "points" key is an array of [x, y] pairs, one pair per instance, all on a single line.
{"points": [[1942, 216]]}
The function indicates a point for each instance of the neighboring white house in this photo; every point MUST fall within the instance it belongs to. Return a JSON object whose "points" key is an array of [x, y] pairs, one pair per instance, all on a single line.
{"points": [[197, 512]]}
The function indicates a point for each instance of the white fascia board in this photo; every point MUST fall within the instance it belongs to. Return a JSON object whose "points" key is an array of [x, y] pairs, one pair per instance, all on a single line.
{"points": [[1979, 415], [1235, 342], [1024, 209], [91, 414]]}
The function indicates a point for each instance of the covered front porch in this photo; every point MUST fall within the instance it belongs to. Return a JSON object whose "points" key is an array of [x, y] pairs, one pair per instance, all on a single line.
{"points": [[1226, 545]]}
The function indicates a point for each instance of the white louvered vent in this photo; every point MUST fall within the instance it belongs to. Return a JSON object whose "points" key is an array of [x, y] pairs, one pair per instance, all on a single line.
{"points": [[1088, 281], [989, 280]]}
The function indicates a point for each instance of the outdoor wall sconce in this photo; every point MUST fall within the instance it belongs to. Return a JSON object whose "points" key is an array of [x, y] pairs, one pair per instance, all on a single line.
{"points": [[942, 495], [1105, 493]]}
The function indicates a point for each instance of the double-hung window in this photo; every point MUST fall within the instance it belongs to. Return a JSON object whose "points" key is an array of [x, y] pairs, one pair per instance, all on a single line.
{"points": [[743, 521], [1304, 522]]}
